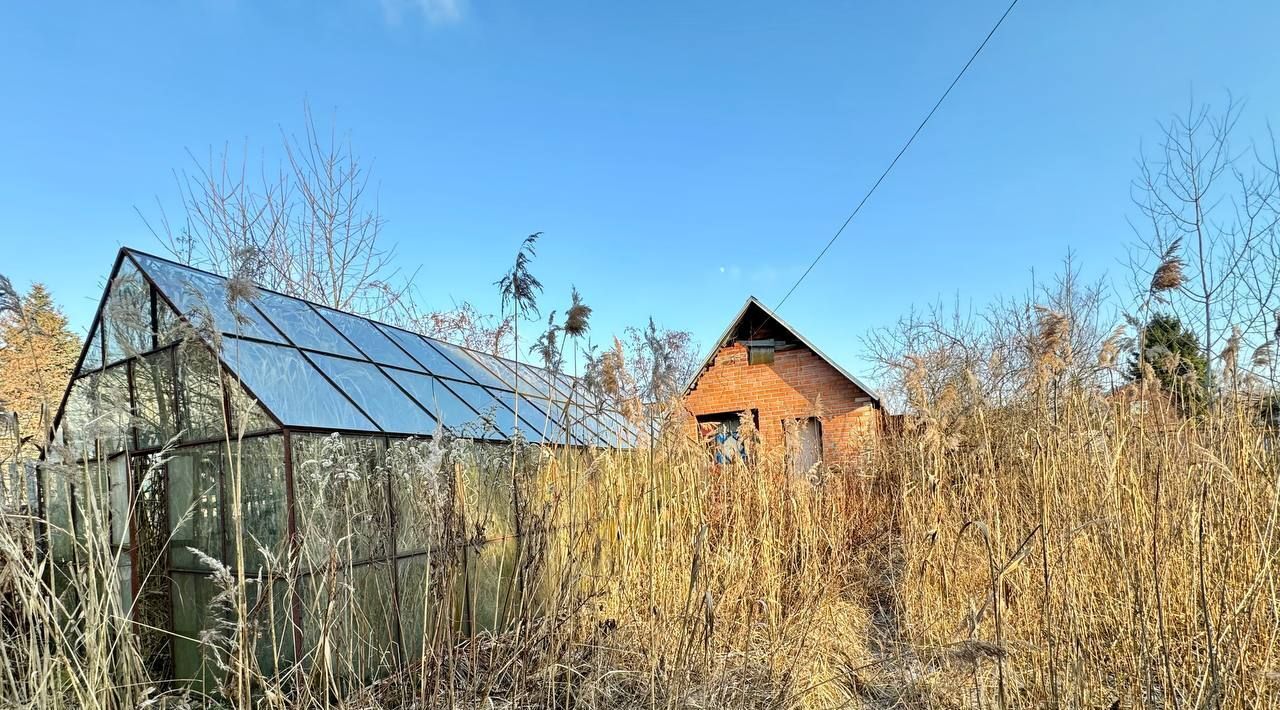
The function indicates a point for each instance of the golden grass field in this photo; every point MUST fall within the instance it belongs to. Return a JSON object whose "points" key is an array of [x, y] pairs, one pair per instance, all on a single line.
{"points": [[1079, 556]]}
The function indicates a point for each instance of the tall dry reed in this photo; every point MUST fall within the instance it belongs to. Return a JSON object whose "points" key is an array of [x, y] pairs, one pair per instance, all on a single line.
{"points": [[1101, 552], [1077, 551]]}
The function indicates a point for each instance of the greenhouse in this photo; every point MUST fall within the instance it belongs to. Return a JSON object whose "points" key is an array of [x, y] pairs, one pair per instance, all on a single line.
{"points": [[200, 407]]}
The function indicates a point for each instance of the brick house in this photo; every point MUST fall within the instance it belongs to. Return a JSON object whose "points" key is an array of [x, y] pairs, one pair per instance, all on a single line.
{"points": [[794, 394]]}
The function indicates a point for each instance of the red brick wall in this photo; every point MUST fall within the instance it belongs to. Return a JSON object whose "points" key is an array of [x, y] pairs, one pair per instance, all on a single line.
{"points": [[788, 388]]}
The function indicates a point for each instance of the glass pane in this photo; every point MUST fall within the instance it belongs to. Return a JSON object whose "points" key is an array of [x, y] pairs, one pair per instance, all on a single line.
{"points": [[498, 417], [613, 418], [290, 387], [534, 422], [90, 511], [495, 366], [428, 356], [200, 398], [490, 568], [57, 480], [169, 328], [584, 396], [353, 607], [563, 385], [542, 379], [585, 424], [634, 433], [443, 404], [376, 395], [259, 464], [301, 324], [124, 586], [118, 496], [570, 387], [590, 431], [246, 413], [464, 361], [369, 338], [534, 414], [341, 496], [65, 590], [192, 595], [154, 396], [127, 315], [603, 429], [195, 515], [555, 409], [420, 491], [203, 298], [491, 571], [110, 409], [612, 436], [619, 430], [420, 601], [376, 622], [200, 393], [615, 433], [273, 612], [93, 355], [77, 426], [572, 416], [114, 410], [528, 381]]}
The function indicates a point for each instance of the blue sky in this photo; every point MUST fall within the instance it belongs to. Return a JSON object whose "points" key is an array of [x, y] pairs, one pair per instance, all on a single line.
{"points": [[678, 156]]}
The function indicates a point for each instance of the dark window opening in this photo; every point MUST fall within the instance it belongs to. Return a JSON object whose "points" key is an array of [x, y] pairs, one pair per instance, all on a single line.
{"points": [[760, 352]]}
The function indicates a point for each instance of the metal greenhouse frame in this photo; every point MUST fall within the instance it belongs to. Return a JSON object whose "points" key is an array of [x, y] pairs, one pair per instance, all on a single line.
{"points": [[180, 361]]}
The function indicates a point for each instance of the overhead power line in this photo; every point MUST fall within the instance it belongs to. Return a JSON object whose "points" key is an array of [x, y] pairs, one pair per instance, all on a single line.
{"points": [[894, 162]]}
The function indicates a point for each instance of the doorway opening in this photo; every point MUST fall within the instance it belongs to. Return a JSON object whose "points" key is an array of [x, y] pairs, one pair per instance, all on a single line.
{"points": [[804, 443]]}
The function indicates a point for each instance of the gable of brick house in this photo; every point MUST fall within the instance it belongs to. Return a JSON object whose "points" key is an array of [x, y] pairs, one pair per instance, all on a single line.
{"points": [[788, 384]]}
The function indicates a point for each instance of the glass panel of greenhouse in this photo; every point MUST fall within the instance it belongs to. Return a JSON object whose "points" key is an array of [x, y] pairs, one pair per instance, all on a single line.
{"points": [[467, 364], [127, 315], [92, 353], [445, 406], [205, 299], [498, 415], [430, 359], [287, 383], [376, 394], [525, 379], [213, 426], [377, 346], [494, 365], [302, 325]]}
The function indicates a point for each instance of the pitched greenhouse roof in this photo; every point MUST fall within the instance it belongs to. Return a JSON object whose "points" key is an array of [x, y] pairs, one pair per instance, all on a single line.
{"points": [[313, 367]]}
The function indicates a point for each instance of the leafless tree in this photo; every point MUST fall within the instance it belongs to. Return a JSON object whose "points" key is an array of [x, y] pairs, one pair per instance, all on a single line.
{"points": [[465, 324], [310, 227], [1222, 205], [1055, 336], [645, 371]]}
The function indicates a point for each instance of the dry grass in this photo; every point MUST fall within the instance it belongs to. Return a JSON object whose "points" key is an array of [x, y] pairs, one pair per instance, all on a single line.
{"points": [[1079, 555], [1098, 555]]}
